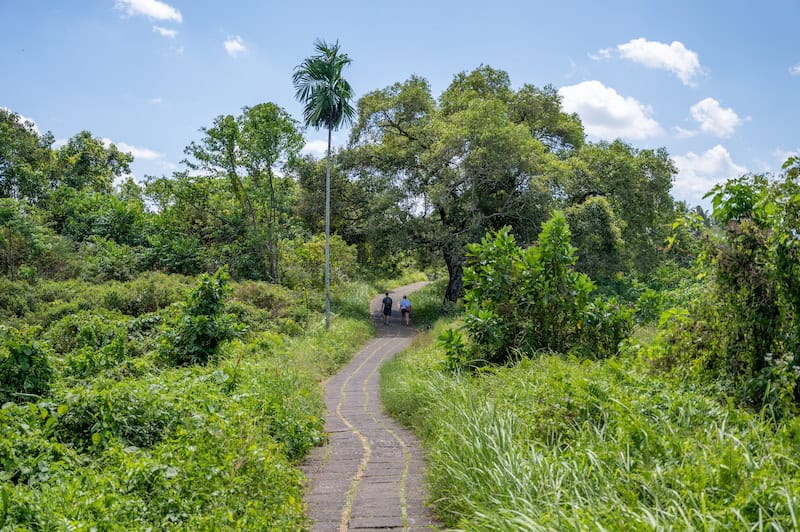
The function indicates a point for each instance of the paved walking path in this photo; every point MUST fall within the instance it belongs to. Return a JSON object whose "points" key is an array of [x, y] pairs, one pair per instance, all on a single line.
{"points": [[370, 475]]}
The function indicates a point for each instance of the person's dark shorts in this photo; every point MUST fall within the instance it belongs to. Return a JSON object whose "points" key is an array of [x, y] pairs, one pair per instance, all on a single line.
{"points": [[404, 311], [387, 311]]}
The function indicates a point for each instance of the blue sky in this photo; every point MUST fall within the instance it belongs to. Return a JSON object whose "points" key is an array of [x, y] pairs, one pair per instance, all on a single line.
{"points": [[716, 83]]}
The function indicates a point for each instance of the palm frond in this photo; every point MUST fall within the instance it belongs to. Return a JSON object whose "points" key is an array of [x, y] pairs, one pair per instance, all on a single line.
{"points": [[319, 85]]}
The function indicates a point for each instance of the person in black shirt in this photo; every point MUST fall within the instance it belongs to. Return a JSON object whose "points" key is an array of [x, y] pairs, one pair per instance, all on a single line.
{"points": [[387, 308]]}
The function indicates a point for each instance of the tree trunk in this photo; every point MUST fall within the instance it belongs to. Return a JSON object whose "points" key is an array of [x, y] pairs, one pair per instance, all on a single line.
{"points": [[328, 238], [455, 269]]}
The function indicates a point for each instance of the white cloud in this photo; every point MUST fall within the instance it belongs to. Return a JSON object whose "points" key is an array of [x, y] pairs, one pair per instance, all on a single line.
{"points": [[684, 133], [235, 46], [24, 119], [165, 32], [698, 173], [715, 119], [795, 70], [138, 153], [156, 101], [606, 114], [150, 8], [674, 57], [604, 53], [316, 147]]}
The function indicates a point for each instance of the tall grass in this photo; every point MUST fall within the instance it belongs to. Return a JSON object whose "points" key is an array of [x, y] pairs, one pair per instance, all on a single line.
{"points": [[561, 444]]}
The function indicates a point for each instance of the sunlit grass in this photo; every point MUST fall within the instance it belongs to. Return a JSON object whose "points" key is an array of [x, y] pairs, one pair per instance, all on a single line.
{"points": [[562, 444]]}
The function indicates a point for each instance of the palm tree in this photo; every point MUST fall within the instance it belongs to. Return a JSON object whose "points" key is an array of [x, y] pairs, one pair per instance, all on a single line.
{"points": [[325, 96]]}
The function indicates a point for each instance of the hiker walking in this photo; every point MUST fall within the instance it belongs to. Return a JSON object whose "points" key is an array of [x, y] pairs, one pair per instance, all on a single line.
{"points": [[405, 309], [387, 308]]}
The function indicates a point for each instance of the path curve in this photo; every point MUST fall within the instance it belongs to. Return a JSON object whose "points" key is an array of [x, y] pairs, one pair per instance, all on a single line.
{"points": [[370, 474]]}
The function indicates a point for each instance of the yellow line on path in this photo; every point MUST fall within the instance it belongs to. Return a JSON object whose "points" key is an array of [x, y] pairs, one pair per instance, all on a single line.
{"points": [[406, 452], [362, 467]]}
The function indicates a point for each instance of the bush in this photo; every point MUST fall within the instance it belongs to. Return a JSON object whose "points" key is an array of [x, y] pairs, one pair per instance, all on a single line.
{"points": [[149, 292], [268, 296], [26, 372], [27, 455], [87, 328], [105, 260], [203, 326], [741, 332], [132, 412], [303, 262], [27, 246], [16, 298], [522, 301]]}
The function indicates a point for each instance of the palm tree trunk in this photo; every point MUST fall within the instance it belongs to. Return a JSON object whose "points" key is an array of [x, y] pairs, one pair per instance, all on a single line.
{"points": [[328, 238]]}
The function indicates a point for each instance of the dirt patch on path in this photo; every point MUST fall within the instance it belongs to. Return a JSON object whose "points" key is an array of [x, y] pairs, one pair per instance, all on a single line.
{"points": [[370, 475]]}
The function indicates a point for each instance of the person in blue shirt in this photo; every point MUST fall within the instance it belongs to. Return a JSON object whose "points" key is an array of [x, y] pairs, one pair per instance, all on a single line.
{"points": [[405, 309]]}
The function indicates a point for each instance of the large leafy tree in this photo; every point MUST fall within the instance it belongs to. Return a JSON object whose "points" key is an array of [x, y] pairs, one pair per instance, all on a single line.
{"points": [[636, 183], [366, 207], [325, 95], [87, 162], [468, 163], [243, 152], [25, 158]]}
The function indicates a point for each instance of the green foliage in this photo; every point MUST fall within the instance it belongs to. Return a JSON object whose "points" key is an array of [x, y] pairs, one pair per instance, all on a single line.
{"points": [[85, 329], [85, 162], [102, 413], [81, 214], [26, 372], [321, 89], [107, 260], [241, 153], [304, 264], [203, 326], [595, 231], [743, 332], [25, 158], [149, 292], [137, 446], [522, 301], [636, 183], [175, 252], [28, 247], [556, 443], [16, 297]]}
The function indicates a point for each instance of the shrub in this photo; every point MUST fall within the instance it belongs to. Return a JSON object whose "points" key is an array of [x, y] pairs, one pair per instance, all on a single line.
{"points": [[28, 246], [106, 260], [522, 301], [597, 236], [203, 326], [175, 252], [16, 298], [87, 328], [303, 262], [138, 413], [27, 455], [741, 332], [149, 292], [25, 369], [268, 296]]}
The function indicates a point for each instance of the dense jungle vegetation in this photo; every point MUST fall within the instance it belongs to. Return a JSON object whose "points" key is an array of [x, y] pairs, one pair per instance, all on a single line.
{"points": [[608, 358]]}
